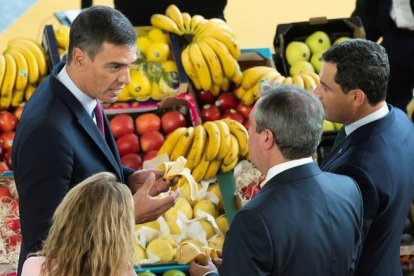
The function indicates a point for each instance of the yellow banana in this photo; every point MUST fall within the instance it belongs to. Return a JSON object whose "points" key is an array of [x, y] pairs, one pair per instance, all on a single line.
{"points": [[183, 144], [33, 70], [200, 66], [238, 76], [233, 151], [195, 21], [288, 80], [2, 68], [252, 75], [314, 76], [189, 68], [213, 169], [22, 69], [196, 150], [213, 63], [171, 142], [270, 76], [239, 92], [200, 170], [279, 80], [215, 89], [214, 24], [28, 92], [36, 49], [224, 37], [228, 63], [225, 84], [187, 22], [241, 134], [174, 13], [248, 97], [18, 96], [213, 146], [8, 82], [298, 81], [226, 168], [225, 139], [165, 23], [310, 84]]}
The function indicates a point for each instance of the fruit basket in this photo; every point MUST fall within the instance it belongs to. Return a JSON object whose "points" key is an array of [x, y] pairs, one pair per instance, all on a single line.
{"points": [[300, 31]]}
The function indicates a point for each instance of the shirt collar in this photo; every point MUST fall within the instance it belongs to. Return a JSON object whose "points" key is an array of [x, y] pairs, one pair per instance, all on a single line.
{"points": [[380, 113], [87, 102], [277, 169]]}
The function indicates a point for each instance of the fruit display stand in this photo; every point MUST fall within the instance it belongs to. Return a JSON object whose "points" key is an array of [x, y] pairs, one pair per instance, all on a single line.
{"points": [[299, 31]]}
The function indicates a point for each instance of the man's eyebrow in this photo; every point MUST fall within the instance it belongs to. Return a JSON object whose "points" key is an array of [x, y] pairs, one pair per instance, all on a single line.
{"points": [[324, 84]]}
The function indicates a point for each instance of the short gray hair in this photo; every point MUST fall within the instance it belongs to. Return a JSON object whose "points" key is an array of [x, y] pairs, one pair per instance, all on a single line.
{"points": [[294, 116]]}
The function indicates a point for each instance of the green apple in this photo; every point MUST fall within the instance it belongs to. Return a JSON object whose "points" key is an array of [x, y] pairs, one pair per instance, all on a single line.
{"points": [[341, 39], [297, 51], [173, 272], [318, 41], [317, 60], [146, 273], [301, 66]]}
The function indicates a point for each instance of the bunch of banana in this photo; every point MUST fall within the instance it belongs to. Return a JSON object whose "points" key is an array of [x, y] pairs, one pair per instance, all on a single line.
{"points": [[208, 148], [22, 66], [306, 80], [251, 82], [210, 58]]}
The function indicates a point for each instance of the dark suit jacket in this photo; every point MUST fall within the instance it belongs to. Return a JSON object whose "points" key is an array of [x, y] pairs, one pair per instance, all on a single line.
{"points": [[303, 222], [56, 146], [380, 158]]}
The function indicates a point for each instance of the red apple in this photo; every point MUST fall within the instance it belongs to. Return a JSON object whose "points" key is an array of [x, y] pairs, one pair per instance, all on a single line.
{"points": [[132, 160], [127, 144], [152, 140], [8, 121], [172, 120], [227, 100], [210, 112], [205, 97], [150, 155], [121, 124], [6, 139], [4, 167], [244, 110], [233, 114], [147, 122], [247, 123]]}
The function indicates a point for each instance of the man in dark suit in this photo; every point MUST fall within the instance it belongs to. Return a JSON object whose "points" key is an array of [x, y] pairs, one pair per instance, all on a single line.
{"points": [[378, 151], [303, 221], [58, 143]]}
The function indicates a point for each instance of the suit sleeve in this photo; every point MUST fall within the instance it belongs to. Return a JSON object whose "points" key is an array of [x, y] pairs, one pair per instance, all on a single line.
{"points": [[43, 169], [248, 247], [370, 197]]}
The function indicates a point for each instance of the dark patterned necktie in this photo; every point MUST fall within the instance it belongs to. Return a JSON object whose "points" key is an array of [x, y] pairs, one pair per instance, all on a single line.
{"points": [[340, 135], [99, 117]]}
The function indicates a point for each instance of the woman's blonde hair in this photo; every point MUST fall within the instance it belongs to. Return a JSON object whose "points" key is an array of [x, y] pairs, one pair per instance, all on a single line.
{"points": [[92, 231]]}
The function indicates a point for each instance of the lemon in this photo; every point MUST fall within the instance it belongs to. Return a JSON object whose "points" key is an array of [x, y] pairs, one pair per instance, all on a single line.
{"points": [[158, 51], [222, 223], [208, 228], [171, 214], [216, 242], [184, 206], [140, 253], [215, 189], [156, 35], [174, 228], [169, 66], [162, 248], [62, 36], [151, 224], [142, 43], [140, 86]]}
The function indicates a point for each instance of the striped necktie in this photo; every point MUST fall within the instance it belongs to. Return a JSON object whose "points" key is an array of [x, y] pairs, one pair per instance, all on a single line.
{"points": [[340, 135]]}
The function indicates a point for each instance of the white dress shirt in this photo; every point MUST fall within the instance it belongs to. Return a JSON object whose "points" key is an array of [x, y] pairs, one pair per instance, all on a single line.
{"points": [[380, 113], [402, 14]]}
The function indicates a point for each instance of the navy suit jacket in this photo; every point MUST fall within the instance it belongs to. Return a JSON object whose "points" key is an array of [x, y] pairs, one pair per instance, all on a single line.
{"points": [[303, 222], [379, 156], [57, 145]]}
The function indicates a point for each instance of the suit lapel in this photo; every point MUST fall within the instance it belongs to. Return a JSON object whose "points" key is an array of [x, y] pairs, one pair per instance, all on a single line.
{"points": [[86, 123]]}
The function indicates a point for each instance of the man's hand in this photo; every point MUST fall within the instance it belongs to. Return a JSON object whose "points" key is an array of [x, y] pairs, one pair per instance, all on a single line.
{"points": [[148, 208], [137, 179], [196, 269]]}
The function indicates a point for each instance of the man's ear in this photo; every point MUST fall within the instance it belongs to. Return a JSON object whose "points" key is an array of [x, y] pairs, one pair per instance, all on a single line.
{"points": [[268, 138], [79, 57], [358, 97]]}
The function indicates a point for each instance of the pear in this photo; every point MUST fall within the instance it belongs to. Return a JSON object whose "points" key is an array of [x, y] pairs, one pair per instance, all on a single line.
{"points": [[297, 51], [173, 272], [317, 61], [318, 41], [341, 39], [146, 273], [300, 67]]}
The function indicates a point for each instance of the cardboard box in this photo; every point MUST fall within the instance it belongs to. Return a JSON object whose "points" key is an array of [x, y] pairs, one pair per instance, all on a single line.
{"points": [[299, 31]]}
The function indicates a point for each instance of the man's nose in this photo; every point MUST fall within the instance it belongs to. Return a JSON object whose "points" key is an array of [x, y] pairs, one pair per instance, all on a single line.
{"points": [[125, 76]]}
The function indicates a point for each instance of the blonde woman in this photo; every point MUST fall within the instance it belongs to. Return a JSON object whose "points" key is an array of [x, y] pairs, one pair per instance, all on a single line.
{"points": [[91, 234]]}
